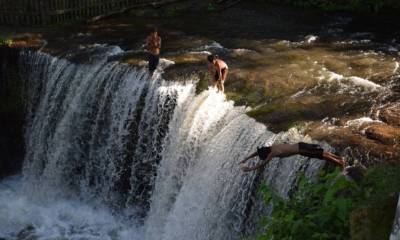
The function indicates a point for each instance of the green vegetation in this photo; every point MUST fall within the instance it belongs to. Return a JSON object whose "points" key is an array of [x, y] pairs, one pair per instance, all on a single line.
{"points": [[346, 5], [6, 42], [335, 208]]}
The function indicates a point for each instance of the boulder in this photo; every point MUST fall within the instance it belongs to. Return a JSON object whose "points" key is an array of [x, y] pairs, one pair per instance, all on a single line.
{"points": [[389, 113], [374, 221], [383, 133], [349, 141]]}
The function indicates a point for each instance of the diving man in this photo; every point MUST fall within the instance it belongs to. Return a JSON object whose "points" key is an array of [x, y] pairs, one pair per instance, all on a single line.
{"points": [[285, 150]]}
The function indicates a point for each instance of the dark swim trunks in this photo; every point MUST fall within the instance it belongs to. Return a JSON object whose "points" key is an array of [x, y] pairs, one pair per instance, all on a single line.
{"points": [[216, 76], [311, 150], [263, 152], [153, 62]]}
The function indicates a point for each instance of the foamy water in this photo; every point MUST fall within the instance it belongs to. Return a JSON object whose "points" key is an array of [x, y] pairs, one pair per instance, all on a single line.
{"points": [[357, 123], [20, 215], [348, 82]]}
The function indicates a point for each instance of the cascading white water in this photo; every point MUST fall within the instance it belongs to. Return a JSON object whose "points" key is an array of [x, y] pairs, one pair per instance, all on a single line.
{"points": [[199, 183], [137, 157]]}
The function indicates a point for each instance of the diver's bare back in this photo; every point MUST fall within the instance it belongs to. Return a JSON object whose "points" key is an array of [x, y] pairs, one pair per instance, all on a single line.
{"points": [[284, 150], [220, 64]]}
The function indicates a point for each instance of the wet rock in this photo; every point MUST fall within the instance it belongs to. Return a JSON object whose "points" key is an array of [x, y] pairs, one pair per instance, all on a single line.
{"points": [[194, 70], [389, 113], [190, 57], [383, 133], [373, 222], [28, 40], [136, 59], [351, 143]]}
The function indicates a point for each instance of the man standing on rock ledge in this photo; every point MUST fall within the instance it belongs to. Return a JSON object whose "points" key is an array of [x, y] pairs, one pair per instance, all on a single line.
{"points": [[153, 43]]}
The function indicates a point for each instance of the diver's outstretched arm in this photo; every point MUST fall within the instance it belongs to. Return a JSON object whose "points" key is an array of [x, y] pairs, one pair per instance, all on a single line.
{"points": [[257, 166], [249, 157]]}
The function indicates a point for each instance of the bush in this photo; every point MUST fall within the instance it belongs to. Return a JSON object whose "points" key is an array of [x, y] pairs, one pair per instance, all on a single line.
{"points": [[323, 210], [6, 42]]}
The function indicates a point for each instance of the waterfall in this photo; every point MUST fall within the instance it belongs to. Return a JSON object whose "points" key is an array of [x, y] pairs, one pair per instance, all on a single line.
{"points": [[395, 234], [200, 191], [97, 129], [149, 155]]}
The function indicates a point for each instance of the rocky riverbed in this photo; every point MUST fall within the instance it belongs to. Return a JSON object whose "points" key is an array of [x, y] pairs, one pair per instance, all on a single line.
{"points": [[332, 76]]}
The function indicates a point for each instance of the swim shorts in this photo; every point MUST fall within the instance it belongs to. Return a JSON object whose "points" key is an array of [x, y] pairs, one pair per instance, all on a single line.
{"points": [[216, 76], [153, 62], [311, 150], [263, 152]]}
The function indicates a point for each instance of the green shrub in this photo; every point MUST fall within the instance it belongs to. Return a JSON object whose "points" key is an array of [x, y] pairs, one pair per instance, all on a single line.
{"points": [[323, 210], [6, 42]]}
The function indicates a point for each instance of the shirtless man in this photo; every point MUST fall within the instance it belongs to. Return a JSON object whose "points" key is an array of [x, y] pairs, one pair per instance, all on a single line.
{"points": [[218, 70], [285, 150], [153, 43]]}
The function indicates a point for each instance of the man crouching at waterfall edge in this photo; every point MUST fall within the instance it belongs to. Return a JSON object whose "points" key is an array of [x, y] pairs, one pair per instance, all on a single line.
{"points": [[285, 150], [153, 43], [218, 70]]}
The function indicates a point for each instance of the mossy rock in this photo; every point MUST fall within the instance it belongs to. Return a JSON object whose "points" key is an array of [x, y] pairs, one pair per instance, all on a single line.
{"points": [[134, 59], [185, 71], [188, 58], [375, 221], [281, 116], [246, 96]]}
